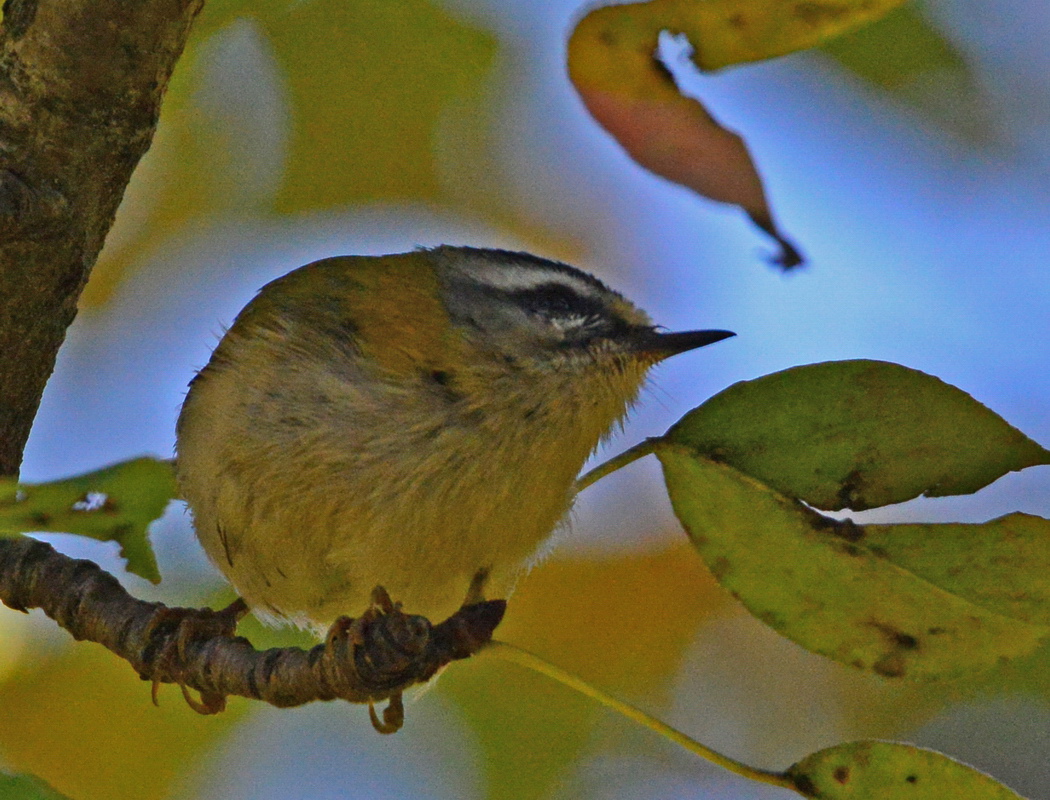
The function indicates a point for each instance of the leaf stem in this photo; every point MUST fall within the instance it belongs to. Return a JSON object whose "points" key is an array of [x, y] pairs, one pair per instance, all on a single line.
{"points": [[628, 456], [509, 652]]}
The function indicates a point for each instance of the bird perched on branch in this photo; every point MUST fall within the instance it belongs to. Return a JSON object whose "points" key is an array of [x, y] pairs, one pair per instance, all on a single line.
{"points": [[414, 421]]}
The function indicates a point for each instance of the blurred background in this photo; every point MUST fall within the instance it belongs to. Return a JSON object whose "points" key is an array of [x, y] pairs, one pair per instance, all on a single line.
{"points": [[909, 161]]}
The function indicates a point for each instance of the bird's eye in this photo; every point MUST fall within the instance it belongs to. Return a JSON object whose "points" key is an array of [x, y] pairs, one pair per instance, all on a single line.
{"points": [[559, 305]]}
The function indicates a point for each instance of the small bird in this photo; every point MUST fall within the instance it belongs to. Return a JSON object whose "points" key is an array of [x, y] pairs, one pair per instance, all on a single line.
{"points": [[415, 421]]}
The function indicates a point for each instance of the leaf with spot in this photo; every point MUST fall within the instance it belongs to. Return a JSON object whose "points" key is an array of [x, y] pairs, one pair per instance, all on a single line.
{"points": [[814, 580], [857, 434], [873, 770], [1002, 565], [116, 503]]}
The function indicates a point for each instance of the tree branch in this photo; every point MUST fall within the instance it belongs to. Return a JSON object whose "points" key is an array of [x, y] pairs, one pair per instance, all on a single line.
{"points": [[366, 660], [81, 83]]}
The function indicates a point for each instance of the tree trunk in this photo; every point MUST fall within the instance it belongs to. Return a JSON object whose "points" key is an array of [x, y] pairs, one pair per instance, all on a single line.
{"points": [[81, 84]]}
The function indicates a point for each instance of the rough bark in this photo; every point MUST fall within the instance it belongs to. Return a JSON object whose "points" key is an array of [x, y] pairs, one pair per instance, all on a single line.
{"points": [[81, 84], [372, 658]]}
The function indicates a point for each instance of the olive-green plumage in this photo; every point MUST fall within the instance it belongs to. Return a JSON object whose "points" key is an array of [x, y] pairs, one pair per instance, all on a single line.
{"points": [[403, 420]]}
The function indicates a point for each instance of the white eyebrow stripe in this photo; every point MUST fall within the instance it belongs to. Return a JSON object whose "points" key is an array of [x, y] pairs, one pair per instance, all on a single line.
{"points": [[513, 278], [511, 272]]}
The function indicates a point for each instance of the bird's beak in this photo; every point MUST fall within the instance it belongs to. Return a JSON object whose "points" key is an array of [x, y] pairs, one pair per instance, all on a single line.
{"points": [[659, 346]]}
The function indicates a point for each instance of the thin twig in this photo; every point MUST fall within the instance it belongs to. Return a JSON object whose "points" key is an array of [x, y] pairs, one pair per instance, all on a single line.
{"points": [[509, 652], [358, 663], [632, 454]]}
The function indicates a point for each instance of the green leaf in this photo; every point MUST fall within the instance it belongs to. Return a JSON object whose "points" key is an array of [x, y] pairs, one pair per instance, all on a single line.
{"points": [[872, 770], [26, 787], [857, 434], [813, 580], [116, 503], [905, 55], [895, 50], [371, 83], [1002, 565]]}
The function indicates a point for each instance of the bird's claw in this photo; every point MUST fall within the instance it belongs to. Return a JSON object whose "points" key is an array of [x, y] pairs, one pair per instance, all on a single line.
{"points": [[393, 715], [189, 624]]}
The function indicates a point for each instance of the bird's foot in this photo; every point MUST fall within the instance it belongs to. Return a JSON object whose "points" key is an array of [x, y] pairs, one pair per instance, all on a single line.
{"points": [[384, 643], [178, 627], [393, 715]]}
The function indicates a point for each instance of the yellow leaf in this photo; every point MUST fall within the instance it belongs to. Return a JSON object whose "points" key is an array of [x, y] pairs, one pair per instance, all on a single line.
{"points": [[83, 721], [1002, 565], [871, 770], [369, 82], [728, 32], [621, 622]]}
